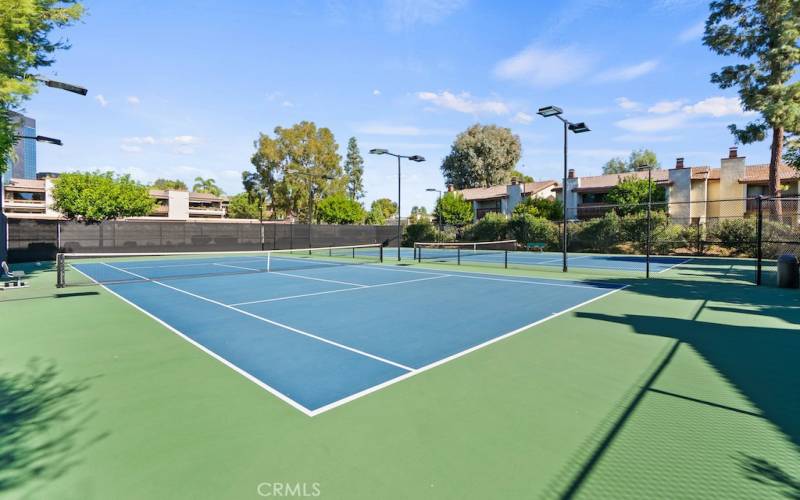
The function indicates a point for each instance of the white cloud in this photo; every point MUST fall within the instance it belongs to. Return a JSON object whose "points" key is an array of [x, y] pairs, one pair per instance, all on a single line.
{"points": [[271, 96], [133, 100], [287, 104], [184, 150], [102, 100], [376, 92], [463, 103], [182, 139], [716, 107], [407, 13], [653, 124], [522, 118], [626, 73], [129, 148], [693, 32], [139, 140], [544, 67], [627, 104], [662, 107]]}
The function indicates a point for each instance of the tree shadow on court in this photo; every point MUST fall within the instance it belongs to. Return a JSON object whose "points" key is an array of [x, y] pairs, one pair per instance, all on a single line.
{"points": [[42, 425], [767, 473]]}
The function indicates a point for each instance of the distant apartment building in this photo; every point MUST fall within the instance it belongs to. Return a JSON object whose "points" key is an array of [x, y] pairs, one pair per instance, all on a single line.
{"points": [[695, 193], [503, 198], [27, 198], [22, 164]]}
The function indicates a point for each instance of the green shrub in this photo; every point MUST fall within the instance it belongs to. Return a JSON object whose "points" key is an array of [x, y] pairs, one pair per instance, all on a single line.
{"points": [[633, 226], [772, 236], [420, 231], [601, 234], [493, 227], [665, 239], [526, 228], [735, 234]]}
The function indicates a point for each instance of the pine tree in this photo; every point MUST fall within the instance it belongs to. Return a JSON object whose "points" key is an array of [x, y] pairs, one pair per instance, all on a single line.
{"points": [[765, 35], [354, 169]]}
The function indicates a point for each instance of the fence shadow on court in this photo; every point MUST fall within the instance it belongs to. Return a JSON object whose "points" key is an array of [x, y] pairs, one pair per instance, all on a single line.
{"points": [[759, 361], [43, 422]]}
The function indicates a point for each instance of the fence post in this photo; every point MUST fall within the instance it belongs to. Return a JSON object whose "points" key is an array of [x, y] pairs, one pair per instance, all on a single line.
{"points": [[458, 253], [647, 243], [699, 238], [759, 228]]}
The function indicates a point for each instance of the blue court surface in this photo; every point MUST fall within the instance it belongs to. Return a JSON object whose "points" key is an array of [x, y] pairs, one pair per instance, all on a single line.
{"points": [[610, 262], [323, 335]]}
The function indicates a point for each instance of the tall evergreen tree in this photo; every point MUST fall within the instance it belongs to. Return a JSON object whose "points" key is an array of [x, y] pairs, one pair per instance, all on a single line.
{"points": [[765, 34], [354, 169]]}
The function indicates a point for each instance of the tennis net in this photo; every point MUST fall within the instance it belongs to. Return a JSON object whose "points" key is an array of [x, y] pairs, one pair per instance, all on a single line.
{"points": [[113, 268], [463, 250]]}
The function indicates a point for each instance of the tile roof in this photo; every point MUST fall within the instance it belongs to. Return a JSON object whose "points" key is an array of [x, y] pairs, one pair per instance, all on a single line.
{"points": [[599, 182], [760, 173], [484, 193], [536, 186]]}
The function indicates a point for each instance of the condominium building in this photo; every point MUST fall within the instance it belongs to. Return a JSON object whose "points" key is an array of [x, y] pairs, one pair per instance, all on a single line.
{"points": [[503, 198], [33, 198]]}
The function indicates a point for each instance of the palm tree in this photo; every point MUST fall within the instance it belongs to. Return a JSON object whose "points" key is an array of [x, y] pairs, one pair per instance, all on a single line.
{"points": [[206, 186]]}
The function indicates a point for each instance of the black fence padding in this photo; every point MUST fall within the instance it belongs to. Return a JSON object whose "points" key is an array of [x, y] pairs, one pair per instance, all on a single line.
{"points": [[34, 240]]}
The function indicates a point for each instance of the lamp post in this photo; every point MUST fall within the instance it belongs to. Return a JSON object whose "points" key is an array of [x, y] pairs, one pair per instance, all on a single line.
{"points": [[439, 204], [576, 128], [75, 89], [649, 169], [416, 158]]}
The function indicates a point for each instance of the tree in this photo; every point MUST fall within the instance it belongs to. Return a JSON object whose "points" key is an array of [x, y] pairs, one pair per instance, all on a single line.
{"points": [[454, 210], [340, 209], [637, 159], [482, 156], [206, 186], [521, 177], [419, 214], [354, 169], [792, 155], [25, 26], [242, 206], [169, 184], [540, 207], [385, 206], [298, 161], [765, 34], [375, 216], [632, 193], [98, 196]]}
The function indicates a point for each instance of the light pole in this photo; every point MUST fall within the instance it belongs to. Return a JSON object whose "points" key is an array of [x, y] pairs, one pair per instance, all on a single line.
{"points": [[75, 89], [577, 128], [649, 169], [416, 158], [438, 204]]}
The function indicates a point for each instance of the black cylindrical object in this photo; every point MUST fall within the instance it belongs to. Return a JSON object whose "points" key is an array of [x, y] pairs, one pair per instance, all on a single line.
{"points": [[788, 271]]}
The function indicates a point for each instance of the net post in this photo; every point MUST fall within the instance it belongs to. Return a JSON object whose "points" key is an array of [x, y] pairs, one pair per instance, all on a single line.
{"points": [[269, 261], [354, 252], [419, 254], [380, 253], [505, 259], [759, 229], [60, 270], [458, 253]]}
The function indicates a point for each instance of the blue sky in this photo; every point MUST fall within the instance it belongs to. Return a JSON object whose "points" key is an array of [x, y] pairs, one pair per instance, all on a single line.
{"points": [[182, 88]]}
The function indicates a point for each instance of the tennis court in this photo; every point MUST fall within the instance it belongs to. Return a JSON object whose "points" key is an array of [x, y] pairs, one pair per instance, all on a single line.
{"points": [[320, 328]]}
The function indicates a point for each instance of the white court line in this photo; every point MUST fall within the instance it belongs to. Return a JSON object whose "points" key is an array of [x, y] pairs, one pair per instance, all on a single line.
{"points": [[283, 397], [672, 267], [338, 290], [442, 361], [293, 275], [478, 276], [195, 264], [275, 323], [533, 263], [317, 279]]}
